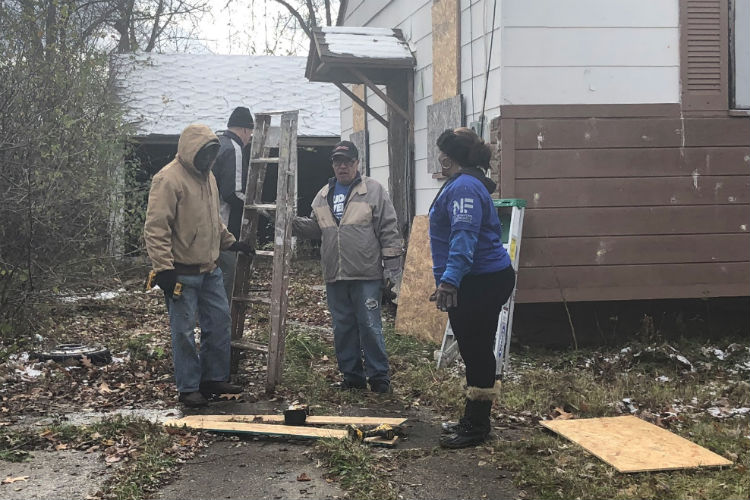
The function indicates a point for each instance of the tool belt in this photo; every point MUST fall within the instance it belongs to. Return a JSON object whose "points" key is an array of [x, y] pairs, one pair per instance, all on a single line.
{"points": [[187, 268]]}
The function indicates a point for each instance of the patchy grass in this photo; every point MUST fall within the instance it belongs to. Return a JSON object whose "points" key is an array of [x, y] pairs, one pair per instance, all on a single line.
{"points": [[658, 391], [356, 468], [556, 468]]}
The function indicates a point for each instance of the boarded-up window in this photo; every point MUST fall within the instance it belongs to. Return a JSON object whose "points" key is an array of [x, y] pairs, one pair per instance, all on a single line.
{"points": [[704, 30], [448, 113]]}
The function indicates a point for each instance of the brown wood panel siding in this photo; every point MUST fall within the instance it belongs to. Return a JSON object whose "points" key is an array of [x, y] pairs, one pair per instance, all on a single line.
{"points": [[618, 221], [626, 192], [625, 207], [633, 275], [652, 281], [704, 54], [634, 162], [618, 250], [725, 131], [591, 133]]}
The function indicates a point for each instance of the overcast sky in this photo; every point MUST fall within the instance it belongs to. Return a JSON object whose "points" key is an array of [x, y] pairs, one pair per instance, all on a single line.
{"points": [[248, 26]]}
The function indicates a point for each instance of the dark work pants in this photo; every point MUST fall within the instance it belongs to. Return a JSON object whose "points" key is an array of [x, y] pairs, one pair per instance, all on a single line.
{"points": [[474, 322]]}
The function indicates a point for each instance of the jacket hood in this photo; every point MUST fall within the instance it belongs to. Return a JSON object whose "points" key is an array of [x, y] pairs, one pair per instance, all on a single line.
{"points": [[477, 173], [192, 139]]}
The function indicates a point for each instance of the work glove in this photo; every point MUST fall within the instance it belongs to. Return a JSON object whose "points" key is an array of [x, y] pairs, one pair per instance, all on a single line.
{"points": [[241, 246], [167, 280], [445, 296], [392, 269], [392, 272]]}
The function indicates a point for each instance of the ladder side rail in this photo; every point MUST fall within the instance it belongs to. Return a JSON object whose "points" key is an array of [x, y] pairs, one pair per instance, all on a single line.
{"points": [[505, 325], [518, 234], [282, 246], [248, 234]]}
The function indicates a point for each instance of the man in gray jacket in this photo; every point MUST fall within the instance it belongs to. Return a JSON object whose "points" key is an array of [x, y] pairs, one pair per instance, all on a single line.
{"points": [[361, 245]]}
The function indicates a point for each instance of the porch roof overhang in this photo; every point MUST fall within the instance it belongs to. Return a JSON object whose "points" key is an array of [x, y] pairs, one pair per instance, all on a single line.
{"points": [[341, 54], [360, 55]]}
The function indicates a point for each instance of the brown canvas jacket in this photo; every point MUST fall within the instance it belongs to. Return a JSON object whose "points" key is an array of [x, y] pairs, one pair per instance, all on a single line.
{"points": [[182, 219]]}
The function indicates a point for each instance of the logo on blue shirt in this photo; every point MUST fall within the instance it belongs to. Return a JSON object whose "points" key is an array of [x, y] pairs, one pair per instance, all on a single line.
{"points": [[461, 209]]}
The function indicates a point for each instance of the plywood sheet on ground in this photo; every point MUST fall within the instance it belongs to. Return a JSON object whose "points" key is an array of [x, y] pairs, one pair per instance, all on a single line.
{"points": [[311, 419], [293, 431], [630, 444], [416, 315]]}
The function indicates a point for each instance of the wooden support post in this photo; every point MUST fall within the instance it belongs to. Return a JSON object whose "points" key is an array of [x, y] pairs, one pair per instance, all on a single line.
{"points": [[362, 103], [391, 104], [400, 154]]}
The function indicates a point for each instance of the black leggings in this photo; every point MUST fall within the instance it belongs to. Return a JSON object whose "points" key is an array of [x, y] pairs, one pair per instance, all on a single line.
{"points": [[474, 322]]}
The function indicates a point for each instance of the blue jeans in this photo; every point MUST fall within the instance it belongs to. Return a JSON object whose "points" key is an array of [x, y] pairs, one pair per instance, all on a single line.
{"points": [[228, 263], [203, 298], [357, 328]]}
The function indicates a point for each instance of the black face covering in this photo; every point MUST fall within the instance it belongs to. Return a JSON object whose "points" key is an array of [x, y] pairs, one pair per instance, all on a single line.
{"points": [[205, 157]]}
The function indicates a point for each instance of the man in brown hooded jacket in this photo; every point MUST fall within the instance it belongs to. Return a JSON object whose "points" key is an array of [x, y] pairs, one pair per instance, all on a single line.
{"points": [[184, 234]]}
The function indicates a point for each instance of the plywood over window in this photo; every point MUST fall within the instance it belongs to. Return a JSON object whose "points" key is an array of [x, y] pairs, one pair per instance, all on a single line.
{"points": [[446, 49]]}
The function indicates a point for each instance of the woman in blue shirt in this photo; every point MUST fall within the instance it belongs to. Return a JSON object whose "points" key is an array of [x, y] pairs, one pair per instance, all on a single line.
{"points": [[473, 274]]}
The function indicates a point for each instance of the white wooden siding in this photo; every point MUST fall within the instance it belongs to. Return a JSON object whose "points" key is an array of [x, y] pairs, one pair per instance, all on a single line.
{"points": [[590, 51], [547, 52]]}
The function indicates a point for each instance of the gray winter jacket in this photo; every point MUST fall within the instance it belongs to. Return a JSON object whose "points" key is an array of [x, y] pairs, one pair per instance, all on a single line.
{"points": [[354, 248]]}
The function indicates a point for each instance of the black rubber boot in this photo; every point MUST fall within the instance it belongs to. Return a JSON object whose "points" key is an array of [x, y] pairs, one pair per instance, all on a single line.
{"points": [[477, 428], [455, 427]]}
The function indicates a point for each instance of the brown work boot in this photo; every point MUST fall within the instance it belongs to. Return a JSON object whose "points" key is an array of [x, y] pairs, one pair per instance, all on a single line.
{"points": [[193, 399], [208, 389]]}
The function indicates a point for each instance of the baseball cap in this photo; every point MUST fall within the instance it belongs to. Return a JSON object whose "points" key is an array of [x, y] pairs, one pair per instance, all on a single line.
{"points": [[345, 148]]}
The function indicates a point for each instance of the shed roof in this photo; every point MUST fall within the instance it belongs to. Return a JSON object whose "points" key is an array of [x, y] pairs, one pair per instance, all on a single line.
{"points": [[167, 92]]}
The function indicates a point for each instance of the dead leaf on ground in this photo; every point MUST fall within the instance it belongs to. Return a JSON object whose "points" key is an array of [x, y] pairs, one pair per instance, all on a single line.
{"points": [[304, 477], [9, 479], [560, 414], [86, 361]]}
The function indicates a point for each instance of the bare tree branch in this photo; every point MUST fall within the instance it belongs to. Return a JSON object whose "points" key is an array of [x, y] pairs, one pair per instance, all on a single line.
{"points": [[299, 17], [328, 12]]}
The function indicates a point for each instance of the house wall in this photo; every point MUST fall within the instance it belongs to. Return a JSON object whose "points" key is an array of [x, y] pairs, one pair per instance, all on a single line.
{"points": [[547, 52], [590, 51], [631, 193], [628, 202]]}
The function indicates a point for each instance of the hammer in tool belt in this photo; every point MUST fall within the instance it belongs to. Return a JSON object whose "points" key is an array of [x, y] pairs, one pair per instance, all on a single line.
{"points": [[151, 283]]}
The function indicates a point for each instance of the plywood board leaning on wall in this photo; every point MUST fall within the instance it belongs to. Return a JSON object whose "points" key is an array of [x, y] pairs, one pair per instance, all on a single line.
{"points": [[416, 315]]}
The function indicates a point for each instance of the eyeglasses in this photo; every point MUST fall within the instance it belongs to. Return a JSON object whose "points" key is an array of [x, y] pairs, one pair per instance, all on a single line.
{"points": [[338, 162]]}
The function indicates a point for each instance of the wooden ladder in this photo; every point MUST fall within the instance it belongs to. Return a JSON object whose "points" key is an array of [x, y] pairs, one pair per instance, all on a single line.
{"points": [[242, 295]]}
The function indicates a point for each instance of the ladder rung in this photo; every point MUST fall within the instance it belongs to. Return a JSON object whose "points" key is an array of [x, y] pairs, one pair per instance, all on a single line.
{"points": [[254, 299], [261, 206], [264, 253], [246, 345], [264, 160]]}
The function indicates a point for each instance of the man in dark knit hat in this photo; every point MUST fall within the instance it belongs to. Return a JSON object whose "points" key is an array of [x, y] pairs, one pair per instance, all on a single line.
{"points": [[230, 171]]}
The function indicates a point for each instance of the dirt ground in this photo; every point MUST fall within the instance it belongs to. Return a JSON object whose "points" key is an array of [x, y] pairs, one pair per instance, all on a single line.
{"points": [[268, 468], [706, 398]]}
